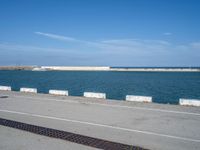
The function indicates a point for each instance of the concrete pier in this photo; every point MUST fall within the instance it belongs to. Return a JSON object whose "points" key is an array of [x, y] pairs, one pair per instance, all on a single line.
{"points": [[148, 125]]}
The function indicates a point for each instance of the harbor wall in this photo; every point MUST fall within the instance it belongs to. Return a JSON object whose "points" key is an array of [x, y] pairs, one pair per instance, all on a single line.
{"points": [[106, 68], [97, 68], [75, 68], [156, 69]]}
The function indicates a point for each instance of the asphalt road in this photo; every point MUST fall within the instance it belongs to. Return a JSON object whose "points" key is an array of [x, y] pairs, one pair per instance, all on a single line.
{"points": [[151, 126]]}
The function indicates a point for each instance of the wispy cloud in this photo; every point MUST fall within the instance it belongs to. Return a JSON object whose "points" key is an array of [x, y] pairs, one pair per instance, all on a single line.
{"points": [[167, 33], [127, 52], [29, 48], [17, 54], [67, 39], [54, 36], [113, 44], [195, 45], [127, 46]]}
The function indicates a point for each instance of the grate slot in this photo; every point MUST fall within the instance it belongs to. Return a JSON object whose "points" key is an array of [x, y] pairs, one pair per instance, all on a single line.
{"points": [[68, 136], [4, 96]]}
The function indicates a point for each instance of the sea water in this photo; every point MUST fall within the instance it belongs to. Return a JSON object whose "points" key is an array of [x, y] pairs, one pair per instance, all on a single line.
{"points": [[164, 87]]}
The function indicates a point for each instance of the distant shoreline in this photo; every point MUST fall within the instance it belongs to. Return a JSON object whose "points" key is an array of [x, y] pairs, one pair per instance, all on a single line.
{"points": [[102, 68]]}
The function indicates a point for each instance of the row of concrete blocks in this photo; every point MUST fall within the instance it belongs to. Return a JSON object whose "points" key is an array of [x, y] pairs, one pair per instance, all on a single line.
{"points": [[133, 98]]}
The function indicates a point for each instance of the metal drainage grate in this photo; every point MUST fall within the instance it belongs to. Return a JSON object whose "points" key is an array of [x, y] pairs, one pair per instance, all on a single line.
{"points": [[68, 136], [4, 96]]}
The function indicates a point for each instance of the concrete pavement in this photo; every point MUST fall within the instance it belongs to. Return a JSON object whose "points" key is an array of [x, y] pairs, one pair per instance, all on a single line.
{"points": [[152, 126]]}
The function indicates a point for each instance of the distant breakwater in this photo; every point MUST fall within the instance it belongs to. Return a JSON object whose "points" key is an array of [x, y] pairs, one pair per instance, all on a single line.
{"points": [[102, 68]]}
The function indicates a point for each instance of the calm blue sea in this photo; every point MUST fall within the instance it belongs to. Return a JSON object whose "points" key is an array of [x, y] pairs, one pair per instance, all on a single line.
{"points": [[164, 87]]}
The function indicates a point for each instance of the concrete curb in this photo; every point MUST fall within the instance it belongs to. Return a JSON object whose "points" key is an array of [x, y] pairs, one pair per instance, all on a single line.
{"points": [[28, 90], [58, 92], [94, 95], [131, 98], [134, 98], [5, 88], [189, 102]]}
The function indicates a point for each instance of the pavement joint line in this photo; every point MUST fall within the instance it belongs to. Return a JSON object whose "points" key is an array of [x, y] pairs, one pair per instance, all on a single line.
{"points": [[114, 106], [102, 125]]}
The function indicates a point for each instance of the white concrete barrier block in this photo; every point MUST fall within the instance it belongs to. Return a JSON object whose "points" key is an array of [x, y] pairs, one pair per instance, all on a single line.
{"points": [[28, 90], [134, 98], [94, 95], [189, 102], [58, 92], [5, 88]]}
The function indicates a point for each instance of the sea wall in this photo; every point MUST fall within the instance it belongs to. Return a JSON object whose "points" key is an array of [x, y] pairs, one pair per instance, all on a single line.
{"points": [[97, 68], [75, 68], [17, 67], [156, 69], [106, 68]]}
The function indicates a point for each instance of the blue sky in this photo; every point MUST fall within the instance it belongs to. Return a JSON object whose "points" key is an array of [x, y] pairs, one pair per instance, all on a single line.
{"points": [[100, 32]]}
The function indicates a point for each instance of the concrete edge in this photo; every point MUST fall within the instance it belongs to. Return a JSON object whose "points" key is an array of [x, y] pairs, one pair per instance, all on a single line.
{"points": [[136, 98], [59, 92], [94, 95], [5, 88], [129, 98], [28, 90], [189, 102]]}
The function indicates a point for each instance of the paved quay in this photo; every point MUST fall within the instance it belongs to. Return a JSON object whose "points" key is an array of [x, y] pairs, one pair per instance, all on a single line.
{"points": [[147, 125]]}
